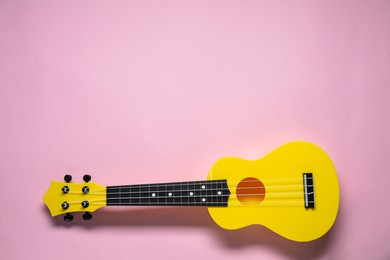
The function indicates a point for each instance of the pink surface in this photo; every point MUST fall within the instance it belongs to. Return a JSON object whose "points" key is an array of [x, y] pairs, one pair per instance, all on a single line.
{"points": [[153, 91]]}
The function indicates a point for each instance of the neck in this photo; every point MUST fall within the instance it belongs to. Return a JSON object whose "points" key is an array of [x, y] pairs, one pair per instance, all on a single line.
{"points": [[194, 193]]}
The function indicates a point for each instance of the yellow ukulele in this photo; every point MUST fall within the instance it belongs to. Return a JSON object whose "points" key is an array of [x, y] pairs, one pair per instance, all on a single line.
{"points": [[293, 191]]}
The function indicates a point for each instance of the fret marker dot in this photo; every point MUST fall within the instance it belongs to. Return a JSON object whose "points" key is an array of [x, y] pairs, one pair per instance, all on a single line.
{"points": [[170, 194], [191, 193], [219, 192], [153, 194], [203, 199], [203, 187]]}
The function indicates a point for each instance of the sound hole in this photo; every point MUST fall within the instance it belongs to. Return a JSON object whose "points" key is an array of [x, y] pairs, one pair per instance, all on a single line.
{"points": [[250, 191]]}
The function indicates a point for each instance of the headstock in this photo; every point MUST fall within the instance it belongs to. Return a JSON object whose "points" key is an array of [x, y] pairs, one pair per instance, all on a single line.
{"points": [[66, 197]]}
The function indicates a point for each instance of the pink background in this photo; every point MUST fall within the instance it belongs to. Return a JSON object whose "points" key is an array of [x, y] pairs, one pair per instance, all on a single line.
{"points": [[155, 91]]}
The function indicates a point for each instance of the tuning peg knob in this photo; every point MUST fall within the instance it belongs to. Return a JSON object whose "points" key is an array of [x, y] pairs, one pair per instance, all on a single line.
{"points": [[85, 204], [65, 189], [87, 216], [68, 178], [65, 205], [87, 178], [85, 189], [68, 217]]}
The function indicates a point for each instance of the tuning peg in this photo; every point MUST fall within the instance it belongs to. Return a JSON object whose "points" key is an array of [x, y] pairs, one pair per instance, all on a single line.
{"points": [[68, 178], [85, 189], [87, 178], [65, 189], [68, 217], [87, 216], [85, 204], [65, 205]]}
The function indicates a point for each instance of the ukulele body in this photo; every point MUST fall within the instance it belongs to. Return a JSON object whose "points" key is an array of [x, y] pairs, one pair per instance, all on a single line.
{"points": [[277, 199]]}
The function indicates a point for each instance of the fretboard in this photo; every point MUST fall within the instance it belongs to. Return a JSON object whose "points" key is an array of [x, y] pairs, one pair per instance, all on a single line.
{"points": [[194, 193]]}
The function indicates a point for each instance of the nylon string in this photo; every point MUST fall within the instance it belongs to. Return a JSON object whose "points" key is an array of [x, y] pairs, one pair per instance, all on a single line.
{"points": [[278, 194]]}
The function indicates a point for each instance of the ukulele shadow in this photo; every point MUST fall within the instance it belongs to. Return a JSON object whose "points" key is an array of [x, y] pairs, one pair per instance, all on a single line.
{"points": [[198, 217]]}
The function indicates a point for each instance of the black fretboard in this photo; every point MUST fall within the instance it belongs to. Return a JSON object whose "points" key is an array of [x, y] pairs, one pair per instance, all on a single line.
{"points": [[194, 193]]}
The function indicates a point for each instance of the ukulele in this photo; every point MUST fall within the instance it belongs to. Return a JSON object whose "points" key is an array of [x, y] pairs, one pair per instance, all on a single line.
{"points": [[292, 191]]}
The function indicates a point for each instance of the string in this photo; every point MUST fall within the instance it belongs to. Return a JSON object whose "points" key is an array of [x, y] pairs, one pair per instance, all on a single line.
{"points": [[181, 190], [205, 182], [267, 180], [206, 196], [233, 200], [186, 197], [187, 191], [285, 188], [231, 203], [174, 196]]}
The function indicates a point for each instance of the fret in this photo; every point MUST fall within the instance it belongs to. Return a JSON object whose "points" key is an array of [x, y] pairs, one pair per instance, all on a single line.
{"points": [[213, 188], [144, 195], [194, 193], [181, 194], [186, 193], [164, 194], [154, 195], [112, 197], [203, 193], [169, 194], [124, 197], [177, 193], [135, 195], [191, 193], [148, 194], [161, 195], [219, 190], [197, 194]]}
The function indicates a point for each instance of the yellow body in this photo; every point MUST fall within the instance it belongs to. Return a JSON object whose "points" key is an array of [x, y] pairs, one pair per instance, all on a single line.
{"points": [[281, 173]]}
